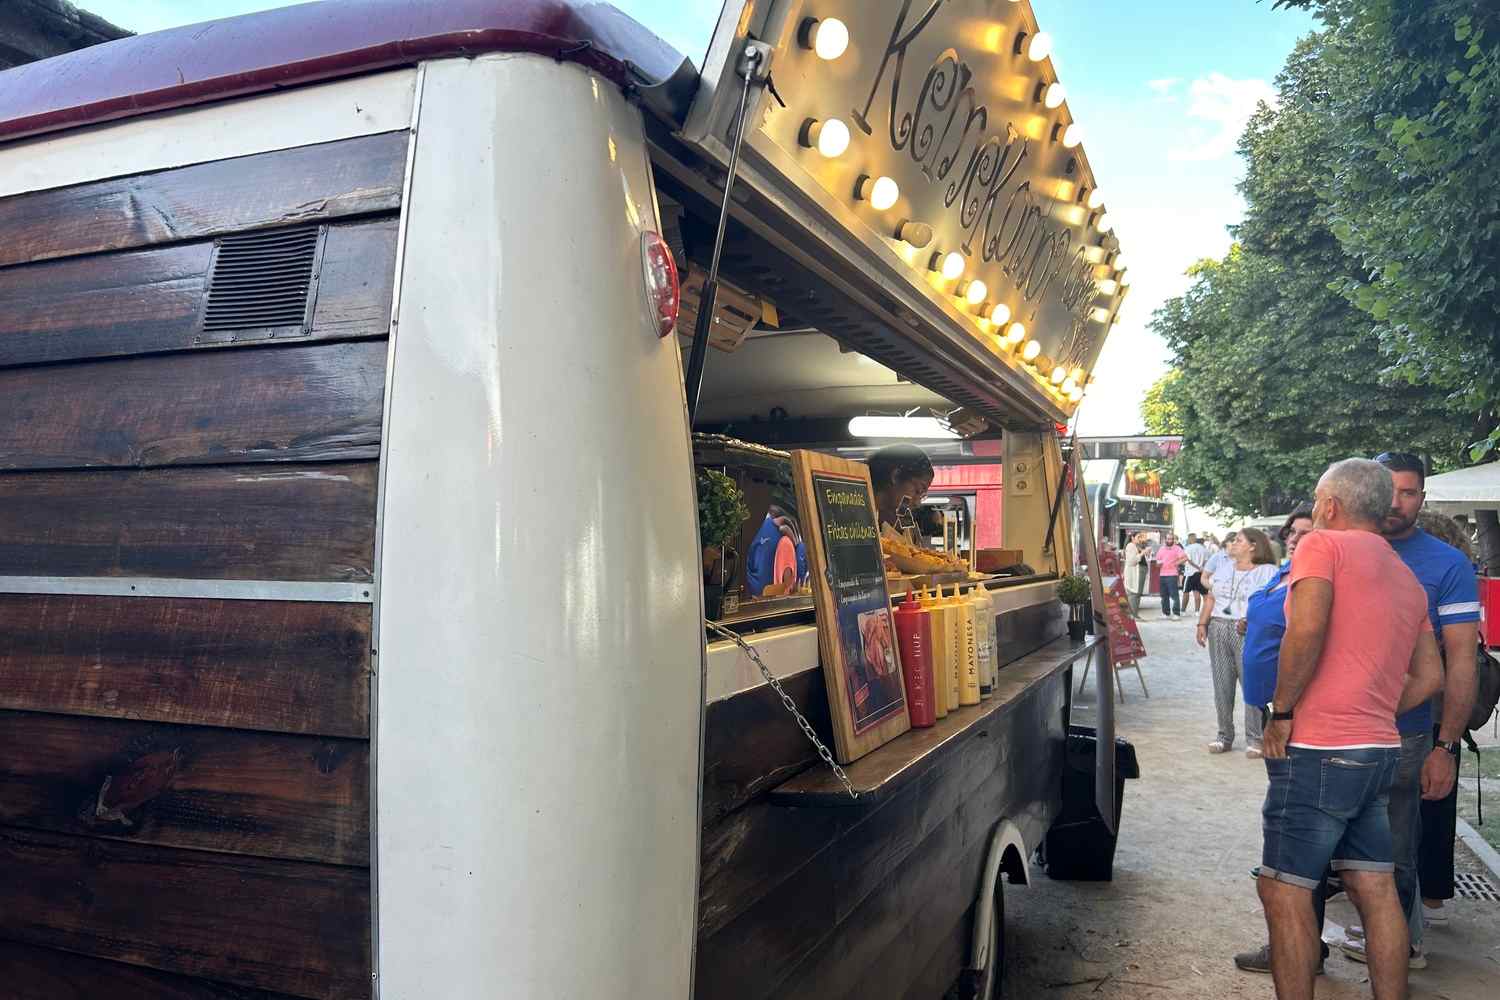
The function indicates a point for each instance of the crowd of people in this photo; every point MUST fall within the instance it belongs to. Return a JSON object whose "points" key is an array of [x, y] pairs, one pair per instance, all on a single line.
{"points": [[1356, 660], [1355, 654]]}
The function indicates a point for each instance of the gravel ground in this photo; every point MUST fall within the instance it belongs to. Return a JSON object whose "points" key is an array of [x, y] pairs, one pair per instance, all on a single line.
{"points": [[1182, 902]]}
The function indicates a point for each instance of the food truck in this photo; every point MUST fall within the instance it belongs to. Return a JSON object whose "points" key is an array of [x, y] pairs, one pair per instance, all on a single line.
{"points": [[350, 568]]}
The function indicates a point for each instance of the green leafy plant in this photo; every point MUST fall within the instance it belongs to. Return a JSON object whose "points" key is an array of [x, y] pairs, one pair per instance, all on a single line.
{"points": [[721, 509], [1074, 590]]}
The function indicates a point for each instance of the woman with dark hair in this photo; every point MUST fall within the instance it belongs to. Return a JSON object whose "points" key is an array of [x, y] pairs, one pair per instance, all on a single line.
{"points": [[899, 473], [1251, 565], [1263, 626]]}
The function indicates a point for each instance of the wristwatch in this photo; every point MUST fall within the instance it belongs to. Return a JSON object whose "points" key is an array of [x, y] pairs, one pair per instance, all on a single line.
{"points": [[1452, 746], [1268, 714]]}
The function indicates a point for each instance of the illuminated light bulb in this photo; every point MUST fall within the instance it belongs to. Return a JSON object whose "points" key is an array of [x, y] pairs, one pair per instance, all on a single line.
{"points": [[1016, 333], [1125, 279], [1100, 315], [1031, 350], [953, 266], [829, 38], [1094, 255], [1075, 395], [1000, 315], [880, 192], [1040, 47], [1059, 375], [1068, 385], [1105, 223], [829, 137], [1072, 136], [1055, 96], [1077, 375], [1096, 199], [1107, 287], [917, 234], [976, 292], [1119, 262]]}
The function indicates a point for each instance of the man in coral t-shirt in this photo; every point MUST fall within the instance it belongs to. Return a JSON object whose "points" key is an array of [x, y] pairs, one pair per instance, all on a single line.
{"points": [[1358, 649]]}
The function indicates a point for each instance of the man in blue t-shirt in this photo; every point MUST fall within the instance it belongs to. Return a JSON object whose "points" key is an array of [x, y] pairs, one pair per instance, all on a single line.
{"points": [[1428, 771]]}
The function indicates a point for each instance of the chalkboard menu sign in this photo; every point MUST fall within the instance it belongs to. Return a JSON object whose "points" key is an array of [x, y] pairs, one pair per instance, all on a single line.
{"points": [[856, 630]]}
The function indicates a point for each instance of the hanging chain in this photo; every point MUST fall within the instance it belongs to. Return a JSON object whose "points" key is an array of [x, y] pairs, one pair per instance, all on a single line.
{"points": [[786, 700]]}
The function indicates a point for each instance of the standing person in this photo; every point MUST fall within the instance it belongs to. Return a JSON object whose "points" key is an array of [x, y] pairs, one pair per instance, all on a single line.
{"points": [[1197, 558], [1170, 558], [1218, 558], [1353, 657], [1440, 816], [1263, 626], [1251, 564], [1137, 571], [1428, 770], [901, 475]]}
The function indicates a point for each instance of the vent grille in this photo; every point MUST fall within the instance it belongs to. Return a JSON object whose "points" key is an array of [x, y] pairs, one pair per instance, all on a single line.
{"points": [[262, 280]]}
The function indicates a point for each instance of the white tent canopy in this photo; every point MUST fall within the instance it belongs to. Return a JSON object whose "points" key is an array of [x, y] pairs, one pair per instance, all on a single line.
{"points": [[1465, 490]]}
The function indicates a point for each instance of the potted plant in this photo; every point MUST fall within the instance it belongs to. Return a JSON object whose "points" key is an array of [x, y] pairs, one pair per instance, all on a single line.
{"points": [[1074, 591], [721, 511]]}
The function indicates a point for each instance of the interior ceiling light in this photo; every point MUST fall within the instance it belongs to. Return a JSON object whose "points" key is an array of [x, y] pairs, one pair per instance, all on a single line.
{"points": [[880, 192], [976, 292], [828, 37], [900, 427], [829, 137], [1072, 136], [1031, 350], [1000, 315], [1055, 96], [953, 266], [1040, 47]]}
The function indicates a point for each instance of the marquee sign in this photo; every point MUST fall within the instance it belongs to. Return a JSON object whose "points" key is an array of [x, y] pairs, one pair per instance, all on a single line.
{"points": [[942, 126]]}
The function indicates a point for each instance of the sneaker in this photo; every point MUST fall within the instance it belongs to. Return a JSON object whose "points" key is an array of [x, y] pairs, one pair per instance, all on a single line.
{"points": [[1354, 948], [1253, 753], [1259, 960], [1218, 746], [1435, 916]]}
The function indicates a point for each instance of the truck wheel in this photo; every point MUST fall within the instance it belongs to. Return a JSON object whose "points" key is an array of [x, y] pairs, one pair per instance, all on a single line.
{"points": [[985, 984]]}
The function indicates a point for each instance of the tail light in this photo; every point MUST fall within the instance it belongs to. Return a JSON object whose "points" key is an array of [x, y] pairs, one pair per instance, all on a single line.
{"points": [[663, 291]]}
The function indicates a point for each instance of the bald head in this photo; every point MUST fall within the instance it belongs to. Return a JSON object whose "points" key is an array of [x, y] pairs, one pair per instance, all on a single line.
{"points": [[1354, 493]]}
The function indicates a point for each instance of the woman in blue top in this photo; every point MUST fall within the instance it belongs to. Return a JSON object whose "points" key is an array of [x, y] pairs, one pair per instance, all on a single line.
{"points": [[1264, 623]]}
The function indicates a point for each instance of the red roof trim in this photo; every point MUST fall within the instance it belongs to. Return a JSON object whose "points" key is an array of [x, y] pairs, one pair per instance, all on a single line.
{"points": [[311, 42]]}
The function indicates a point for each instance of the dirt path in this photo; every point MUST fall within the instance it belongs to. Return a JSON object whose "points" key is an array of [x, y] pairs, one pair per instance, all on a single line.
{"points": [[1182, 902]]}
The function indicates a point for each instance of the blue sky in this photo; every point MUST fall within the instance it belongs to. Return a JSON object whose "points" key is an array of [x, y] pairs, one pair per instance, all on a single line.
{"points": [[1162, 88]]}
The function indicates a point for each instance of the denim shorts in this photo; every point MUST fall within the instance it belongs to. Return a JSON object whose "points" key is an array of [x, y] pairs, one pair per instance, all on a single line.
{"points": [[1327, 807]]}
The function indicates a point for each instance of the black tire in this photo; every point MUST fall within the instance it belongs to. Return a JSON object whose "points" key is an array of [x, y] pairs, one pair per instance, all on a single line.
{"points": [[988, 983]]}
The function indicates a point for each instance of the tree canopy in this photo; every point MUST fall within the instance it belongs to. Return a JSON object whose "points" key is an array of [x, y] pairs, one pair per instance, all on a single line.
{"points": [[1358, 308]]}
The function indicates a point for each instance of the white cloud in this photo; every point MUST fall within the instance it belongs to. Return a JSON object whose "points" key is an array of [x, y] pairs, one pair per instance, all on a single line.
{"points": [[1164, 86], [1226, 105]]}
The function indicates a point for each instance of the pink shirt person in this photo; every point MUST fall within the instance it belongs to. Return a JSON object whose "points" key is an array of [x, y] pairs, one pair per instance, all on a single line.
{"points": [[1352, 698], [1170, 558]]}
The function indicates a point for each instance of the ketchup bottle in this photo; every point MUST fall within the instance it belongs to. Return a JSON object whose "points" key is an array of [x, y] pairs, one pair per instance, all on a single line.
{"points": [[914, 635]]}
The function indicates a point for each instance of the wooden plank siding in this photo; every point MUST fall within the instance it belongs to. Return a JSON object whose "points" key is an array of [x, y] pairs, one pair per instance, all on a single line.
{"points": [[869, 902], [275, 666], [148, 301], [284, 926], [309, 183], [291, 522], [47, 974], [185, 806], [279, 404], [303, 798]]}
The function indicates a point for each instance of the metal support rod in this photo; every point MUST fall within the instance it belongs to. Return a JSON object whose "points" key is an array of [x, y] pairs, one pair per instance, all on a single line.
{"points": [[749, 67]]}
